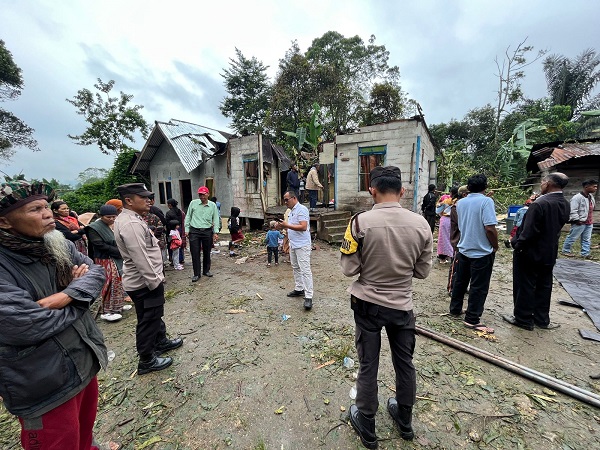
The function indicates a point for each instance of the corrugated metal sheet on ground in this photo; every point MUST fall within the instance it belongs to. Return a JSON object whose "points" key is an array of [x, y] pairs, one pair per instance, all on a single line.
{"points": [[581, 280]]}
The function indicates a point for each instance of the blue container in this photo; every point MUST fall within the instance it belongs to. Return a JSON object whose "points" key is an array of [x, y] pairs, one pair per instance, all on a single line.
{"points": [[512, 210]]}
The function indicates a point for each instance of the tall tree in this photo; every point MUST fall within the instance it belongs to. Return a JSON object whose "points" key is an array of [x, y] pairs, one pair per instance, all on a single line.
{"points": [[91, 175], [248, 89], [13, 131], [348, 69], [112, 121], [387, 102], [293, 93], [510, 74], [572, 82]]}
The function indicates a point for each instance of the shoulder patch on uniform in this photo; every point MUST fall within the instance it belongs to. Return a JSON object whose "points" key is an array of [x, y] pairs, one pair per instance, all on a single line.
{"points": [[349, 244]]}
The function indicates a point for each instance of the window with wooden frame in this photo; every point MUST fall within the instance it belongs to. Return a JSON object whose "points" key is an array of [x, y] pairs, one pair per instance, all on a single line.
{"points": [[165, 192], [251, 173], [368, 159], [161, 192]]}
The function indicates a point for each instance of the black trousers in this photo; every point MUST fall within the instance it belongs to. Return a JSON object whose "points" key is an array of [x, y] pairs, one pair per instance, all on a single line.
{"points": [[478, 272], [400, 328], [150, 328], [200, 238], [273, 251], [532, 288], [430, 218]]}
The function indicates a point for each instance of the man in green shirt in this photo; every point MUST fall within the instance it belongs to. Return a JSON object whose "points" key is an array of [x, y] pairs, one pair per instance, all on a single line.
{"points": [[201, 226]]}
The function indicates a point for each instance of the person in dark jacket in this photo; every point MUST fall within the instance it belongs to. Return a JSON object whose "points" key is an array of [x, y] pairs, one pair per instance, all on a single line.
{"points": [[293, 182], [104, 251], [428, 206], [536, 249], [235, 230], [50, 346], [157, 211]]}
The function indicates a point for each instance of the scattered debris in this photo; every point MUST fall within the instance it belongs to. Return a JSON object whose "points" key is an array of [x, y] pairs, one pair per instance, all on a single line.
{"points": [[328, 363]]}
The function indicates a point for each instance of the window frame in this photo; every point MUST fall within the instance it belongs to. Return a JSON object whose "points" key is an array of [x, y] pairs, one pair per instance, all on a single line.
{"points": [[249, 159], [370, 151]]}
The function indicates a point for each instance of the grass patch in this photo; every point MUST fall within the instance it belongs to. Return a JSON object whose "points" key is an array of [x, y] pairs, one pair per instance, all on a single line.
{"points": [[238, 302], [171, 294]]}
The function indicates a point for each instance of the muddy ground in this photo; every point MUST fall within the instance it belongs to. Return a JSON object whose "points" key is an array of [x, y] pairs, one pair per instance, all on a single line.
{"points": [[247, 379]]}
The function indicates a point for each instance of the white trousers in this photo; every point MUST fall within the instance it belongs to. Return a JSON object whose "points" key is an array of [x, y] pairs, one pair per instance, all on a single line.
{"points": [[300, 260]]}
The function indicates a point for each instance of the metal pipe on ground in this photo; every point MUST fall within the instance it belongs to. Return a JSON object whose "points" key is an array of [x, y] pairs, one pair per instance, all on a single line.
{"points": [[554, 383]]}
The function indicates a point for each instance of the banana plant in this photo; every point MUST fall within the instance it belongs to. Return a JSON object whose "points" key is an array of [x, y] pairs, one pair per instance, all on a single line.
{"points": [[308, 136]]}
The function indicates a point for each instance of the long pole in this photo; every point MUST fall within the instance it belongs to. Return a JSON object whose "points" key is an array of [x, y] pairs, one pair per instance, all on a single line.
{"points": [[558, 385]]}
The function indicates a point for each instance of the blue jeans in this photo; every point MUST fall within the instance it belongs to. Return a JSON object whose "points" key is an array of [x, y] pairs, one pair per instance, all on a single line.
{"points": [[579, 231], [312, 197]]}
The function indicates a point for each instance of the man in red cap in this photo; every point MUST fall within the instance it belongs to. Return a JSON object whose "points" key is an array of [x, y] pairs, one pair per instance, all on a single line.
{"points": [[202, 224], [51, 347]]}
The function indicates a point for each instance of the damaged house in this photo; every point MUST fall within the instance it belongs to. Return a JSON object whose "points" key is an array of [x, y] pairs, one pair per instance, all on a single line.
{"points": [[179, 156]]}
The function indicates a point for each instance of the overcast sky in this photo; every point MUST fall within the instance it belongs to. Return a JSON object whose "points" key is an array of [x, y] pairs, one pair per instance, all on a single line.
{"points": [[169, 55]]}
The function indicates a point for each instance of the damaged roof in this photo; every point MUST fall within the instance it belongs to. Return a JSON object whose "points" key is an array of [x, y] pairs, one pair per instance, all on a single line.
{"points": [[550, 155], [193, 144]]}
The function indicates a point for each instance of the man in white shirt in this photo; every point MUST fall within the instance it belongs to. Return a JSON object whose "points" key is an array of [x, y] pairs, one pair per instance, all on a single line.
{"points": [[298, 226]]}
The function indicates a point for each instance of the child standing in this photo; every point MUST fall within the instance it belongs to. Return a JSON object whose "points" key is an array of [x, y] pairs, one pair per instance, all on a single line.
{"points": [[272, 241], [175, 245], [235, 230]]}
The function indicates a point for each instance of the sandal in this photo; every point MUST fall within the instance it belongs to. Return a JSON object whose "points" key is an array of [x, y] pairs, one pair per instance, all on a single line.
{"points": [[479, 327]]}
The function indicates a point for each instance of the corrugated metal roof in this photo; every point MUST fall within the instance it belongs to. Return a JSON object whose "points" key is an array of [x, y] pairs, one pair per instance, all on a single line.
{"points": [[561, 153], [192, 143]]}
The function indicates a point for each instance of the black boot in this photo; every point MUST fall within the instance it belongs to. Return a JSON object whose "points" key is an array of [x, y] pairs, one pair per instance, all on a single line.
{"points": [[364, 426], [167, 344], [402, 415], [153, 364]]}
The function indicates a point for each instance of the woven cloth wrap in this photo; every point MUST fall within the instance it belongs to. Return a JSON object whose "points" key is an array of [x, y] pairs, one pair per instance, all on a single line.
{"points": [[14, 194]]}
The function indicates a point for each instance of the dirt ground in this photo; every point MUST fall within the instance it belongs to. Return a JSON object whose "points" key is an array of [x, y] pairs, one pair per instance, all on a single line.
{"points": [[248, 379]]}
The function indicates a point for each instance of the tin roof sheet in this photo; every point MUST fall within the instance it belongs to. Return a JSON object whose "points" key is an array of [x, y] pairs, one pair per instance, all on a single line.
{"points": [[192, 143], [554, 155]]}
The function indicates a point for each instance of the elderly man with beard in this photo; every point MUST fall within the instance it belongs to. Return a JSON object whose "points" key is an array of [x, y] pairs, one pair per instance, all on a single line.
{"points": [[50, 346]]}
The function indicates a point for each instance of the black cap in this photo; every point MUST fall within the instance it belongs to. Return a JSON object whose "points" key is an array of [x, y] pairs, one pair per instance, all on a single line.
{"points": [[134, 188], [387, 171]]}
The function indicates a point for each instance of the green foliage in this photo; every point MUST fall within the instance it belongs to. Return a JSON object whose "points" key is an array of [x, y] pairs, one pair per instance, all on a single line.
{"points": [[347, 70], [248, 96], [310, 136], [97, 189], [339, 73], [292, 94], [88, 198], [510, 75], [13, 131], [119, 174], [91, 175], [387, 102], [571, 82], [111, 120]]}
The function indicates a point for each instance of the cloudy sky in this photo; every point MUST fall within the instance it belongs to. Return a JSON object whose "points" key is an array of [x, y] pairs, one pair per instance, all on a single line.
{"points": [[169, 55]]}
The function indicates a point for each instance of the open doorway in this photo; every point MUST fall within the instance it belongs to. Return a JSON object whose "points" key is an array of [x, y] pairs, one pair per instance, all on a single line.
{"points": [[185, 189], [210, 184]]}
